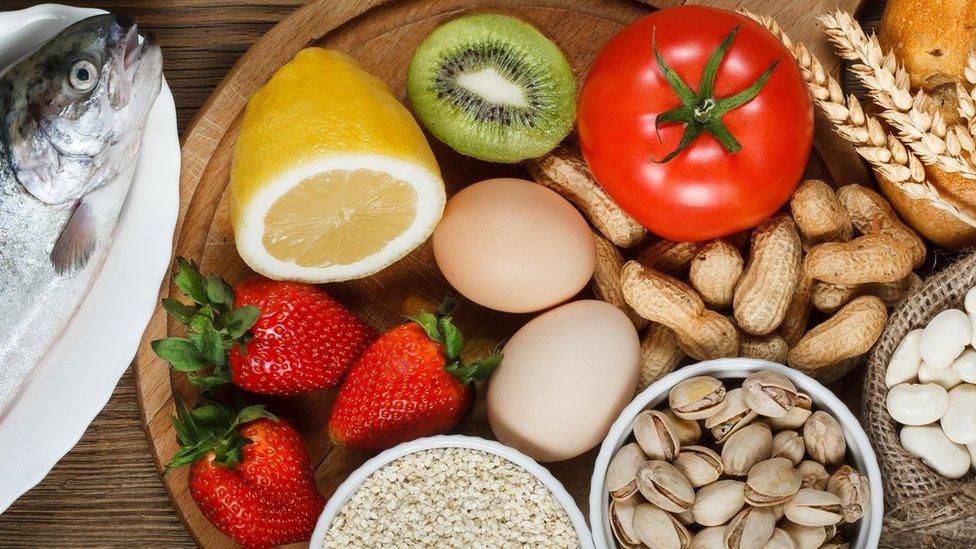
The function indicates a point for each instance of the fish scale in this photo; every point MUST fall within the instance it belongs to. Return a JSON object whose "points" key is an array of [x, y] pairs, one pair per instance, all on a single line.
{"points": [[69, 150]]}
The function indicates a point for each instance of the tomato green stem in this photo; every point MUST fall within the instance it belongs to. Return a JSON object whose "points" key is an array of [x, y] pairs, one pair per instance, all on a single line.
{"points": [[701, 111]]}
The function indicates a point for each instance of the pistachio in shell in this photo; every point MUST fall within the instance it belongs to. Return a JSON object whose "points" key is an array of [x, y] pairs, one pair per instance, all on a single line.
{"points": [[752, 527], [853, 489], [812, 507], [813, 474], [789, 444], [732, 417], [769, 393], [772, 482], [780, 540], [700, 465], [659, 530], [688, 430], [621, 515], [622, 471], [747, 447], [716, 503], [709, 538], [663, 485], [655, 435], [824, 439], [795, 418], [805, 537], [697, 397]]}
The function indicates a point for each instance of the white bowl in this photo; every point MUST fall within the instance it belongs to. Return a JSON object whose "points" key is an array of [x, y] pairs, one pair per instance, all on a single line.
{"points": [[351, 485], [858, 447]]}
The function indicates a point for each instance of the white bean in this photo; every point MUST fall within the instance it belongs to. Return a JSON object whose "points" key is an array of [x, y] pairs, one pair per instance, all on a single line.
{"points": [[905, 361], [965, 366], [959, 421], [946, 377], [917, 404], [930, 444], [945, 337]]}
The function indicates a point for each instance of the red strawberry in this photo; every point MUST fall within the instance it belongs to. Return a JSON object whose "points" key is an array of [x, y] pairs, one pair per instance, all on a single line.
{"points": [[251, 475], [409, 383], [303, 339], [282, 338]]}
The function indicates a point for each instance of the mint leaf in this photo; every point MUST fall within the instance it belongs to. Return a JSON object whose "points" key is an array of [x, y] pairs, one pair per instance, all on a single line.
{"points": [[181, 354]]}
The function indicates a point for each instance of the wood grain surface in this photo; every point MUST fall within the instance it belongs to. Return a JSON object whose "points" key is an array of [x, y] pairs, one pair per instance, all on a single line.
{"points": [[106, 492]]}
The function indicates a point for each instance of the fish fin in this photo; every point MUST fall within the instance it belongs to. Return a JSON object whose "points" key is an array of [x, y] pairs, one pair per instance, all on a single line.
{"points": [[74, 247]]}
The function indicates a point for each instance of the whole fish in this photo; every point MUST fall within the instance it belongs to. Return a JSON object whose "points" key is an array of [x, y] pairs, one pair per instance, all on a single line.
{"points": [[72, 115]]}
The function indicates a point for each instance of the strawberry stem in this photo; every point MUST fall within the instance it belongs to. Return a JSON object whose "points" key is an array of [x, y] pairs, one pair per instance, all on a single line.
{"points": [[441, 328], [213, 327], [212, 427]]}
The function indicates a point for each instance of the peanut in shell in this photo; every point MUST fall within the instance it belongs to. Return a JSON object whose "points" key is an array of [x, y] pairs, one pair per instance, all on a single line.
{"points": [[564, 172], [843, 338], [871, 212], [606, 279], [714, 272], [818, 213], [874, 257], [766, 288]]}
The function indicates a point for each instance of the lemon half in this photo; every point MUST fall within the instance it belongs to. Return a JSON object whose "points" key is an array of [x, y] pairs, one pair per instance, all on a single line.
{"points": [[332, 179]]}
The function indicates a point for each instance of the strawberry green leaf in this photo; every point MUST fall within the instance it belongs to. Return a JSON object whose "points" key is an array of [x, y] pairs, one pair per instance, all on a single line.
{"points": [[212, 416], [476, 371], [181, 354], [189, 454], [213, 326], [252, 413], [209, 381], [428, 322], [242, 319], [219, 292], [453, 340], [189, 280], [180, 311]]}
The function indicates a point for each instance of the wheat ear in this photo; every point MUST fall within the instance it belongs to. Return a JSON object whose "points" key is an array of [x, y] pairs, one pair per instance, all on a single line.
{"points": [[967, 94], [886, 153], [919, 123]]}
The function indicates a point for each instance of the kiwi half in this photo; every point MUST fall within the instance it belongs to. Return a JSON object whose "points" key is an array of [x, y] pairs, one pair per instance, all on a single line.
{"points": [[493, 87]]}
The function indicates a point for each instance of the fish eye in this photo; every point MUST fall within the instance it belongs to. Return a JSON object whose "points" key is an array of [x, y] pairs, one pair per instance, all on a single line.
{"points": [[83, 76]]}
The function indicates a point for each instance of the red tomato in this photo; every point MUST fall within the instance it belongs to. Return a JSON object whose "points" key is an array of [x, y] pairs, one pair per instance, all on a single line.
{"points": [[704, 191]]}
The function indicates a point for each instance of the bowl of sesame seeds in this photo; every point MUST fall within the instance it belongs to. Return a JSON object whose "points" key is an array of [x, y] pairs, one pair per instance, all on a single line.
{"points": [[451, 491]]}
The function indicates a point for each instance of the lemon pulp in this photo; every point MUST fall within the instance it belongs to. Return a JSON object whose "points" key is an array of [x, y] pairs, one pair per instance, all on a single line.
{"points": [[339, 217]]}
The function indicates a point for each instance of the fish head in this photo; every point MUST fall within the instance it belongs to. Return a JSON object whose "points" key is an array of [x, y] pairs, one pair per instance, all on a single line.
{"points": [[75, 108]]}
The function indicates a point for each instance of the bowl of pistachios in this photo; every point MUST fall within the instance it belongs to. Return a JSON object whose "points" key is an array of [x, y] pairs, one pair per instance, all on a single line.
{"points": [[736, 453]]}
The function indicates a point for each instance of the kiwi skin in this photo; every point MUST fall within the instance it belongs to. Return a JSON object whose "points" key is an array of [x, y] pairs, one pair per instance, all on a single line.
{"points": [[462, 119]]}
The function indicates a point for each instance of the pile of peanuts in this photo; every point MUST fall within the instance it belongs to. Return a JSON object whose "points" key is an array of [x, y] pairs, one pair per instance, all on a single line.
{"points": [[843, 252]]}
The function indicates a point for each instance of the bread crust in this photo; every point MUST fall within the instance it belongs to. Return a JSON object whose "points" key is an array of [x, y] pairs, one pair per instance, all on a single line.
{"points": [[933, 38]]}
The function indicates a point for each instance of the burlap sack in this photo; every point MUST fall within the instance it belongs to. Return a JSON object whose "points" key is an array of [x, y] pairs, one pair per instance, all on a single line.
{"points": [[922, 509]]}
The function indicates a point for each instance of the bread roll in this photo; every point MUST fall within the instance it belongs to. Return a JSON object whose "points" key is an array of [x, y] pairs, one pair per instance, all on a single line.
{"points": [[933, 38]]}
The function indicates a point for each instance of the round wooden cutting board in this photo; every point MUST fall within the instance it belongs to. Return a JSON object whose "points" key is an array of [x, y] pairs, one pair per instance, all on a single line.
{"points": [[382, 36]]}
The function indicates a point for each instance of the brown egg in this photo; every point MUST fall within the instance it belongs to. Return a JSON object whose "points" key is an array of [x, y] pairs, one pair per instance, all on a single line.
{"points": [[514, 246], [564, 378]]}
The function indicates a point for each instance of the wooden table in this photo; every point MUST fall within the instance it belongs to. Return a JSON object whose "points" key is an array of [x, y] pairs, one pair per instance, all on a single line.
{"points": [[106, 491]]}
